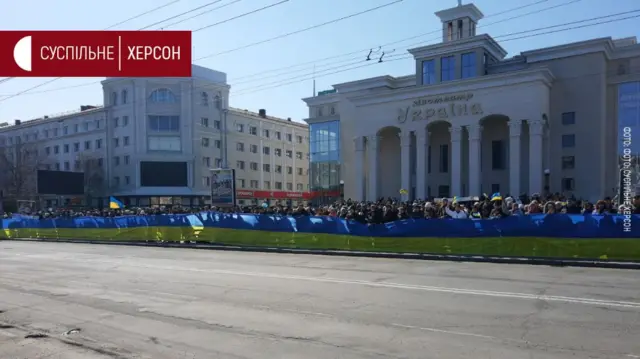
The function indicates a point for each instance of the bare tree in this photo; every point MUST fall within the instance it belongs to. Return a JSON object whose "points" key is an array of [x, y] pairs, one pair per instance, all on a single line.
{"points": [[94, 176], [19, 164]]}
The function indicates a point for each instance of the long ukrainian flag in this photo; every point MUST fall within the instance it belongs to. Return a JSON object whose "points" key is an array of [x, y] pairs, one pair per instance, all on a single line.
{"points": [[114, 203]]}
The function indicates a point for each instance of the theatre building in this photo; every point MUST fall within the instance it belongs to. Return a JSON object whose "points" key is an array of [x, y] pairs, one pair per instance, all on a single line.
{"points": [[469, 120]]}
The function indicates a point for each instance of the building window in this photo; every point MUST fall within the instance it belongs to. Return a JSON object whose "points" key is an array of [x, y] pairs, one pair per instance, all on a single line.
{"points": [[240, 165], [299, 155], [55, 132], [116, 161], [56, 149], [216, 124], [86, 126], [568, 184], [76, 147], [289, 153], [99, 143], [278, 169], [253, 148], [162, 96], [239, 127], [218, 143], [125, 140], [278, 135], [205, 142], [204, 122], [289, 186], [164, 143], [267, 185], [253, 130], [65, 130], [239, 146], [266, 133], [289, 170], [568, 118], [116, 142], [67, 167], [469, 65], [278, 152], [449, 31], [253, 166], [568, 141], [206, 161], [448, 68], [300, 171], [218, 162], [75, 129], [125, 121], [568, 162], [266, 150], [87, 145], [253, 183], [444, 158], [266, 167], [299, 139], [206, 181], [127, 159], [115, 122], [76, 165], [164, 123], [498, 155], [428, 72], [299, 187], [65, 148], [241, 183], [289, 137], [204, 97], [125, 97], [127, 179], [114, 98]]}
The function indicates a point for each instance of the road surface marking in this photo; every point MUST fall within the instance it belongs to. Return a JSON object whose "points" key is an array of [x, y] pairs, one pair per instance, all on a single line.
{"points": [[526, 296]]}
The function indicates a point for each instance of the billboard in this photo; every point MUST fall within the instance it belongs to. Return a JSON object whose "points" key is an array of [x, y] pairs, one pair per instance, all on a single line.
{"points": [[629, 126], [163, 174], [60, 183], [223, 187]]}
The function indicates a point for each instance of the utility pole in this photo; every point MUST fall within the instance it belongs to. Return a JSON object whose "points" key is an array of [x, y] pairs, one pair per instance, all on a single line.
{"points": [[223, 120]]}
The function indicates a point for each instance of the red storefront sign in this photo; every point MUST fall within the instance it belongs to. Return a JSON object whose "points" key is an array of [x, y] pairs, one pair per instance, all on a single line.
{"points": [[283, 194]]}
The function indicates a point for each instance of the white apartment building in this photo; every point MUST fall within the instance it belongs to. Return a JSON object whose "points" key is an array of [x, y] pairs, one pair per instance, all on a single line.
{"points": [[154, 141]]}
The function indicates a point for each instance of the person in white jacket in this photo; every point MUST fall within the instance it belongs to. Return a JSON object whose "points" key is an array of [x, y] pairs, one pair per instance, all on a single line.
{"points": [[457, 213]]}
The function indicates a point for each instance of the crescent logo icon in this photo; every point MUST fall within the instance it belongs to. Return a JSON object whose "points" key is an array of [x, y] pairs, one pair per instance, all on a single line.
{"points": [[22, 53]]}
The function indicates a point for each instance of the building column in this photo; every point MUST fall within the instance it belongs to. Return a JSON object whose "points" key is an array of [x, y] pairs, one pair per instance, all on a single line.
{"points": [[475, 171], [359, 168], [372, 153], [515, 130], [456, 160], [405, 163], [535, 156], [422, 164]]}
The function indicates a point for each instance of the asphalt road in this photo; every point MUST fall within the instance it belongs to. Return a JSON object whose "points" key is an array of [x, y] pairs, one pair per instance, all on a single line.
{"points": [[133, 302]]}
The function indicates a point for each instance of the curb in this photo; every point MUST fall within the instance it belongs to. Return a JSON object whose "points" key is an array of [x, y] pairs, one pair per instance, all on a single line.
{"points": [[560, 262]]}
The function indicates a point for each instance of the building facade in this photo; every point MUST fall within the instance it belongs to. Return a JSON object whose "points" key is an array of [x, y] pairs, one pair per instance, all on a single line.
{"points": [[471, 121], [154, 142]]}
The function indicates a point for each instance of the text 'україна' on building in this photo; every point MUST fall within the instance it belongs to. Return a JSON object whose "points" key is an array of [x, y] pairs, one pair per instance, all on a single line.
{"points": [[155, 141], [470, 121]]}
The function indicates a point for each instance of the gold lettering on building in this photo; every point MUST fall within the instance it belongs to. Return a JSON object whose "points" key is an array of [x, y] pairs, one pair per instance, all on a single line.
{"points": [[442, 99], [442, 112]]}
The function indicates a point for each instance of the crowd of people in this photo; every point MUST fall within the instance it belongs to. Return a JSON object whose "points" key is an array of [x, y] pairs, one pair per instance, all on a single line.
{"points": [[386, 209]]}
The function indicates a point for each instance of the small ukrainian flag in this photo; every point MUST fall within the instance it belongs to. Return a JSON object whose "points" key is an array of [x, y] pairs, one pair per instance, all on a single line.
{"points": [[114, 203], [496, 197], [455, 199], [404, 191]]}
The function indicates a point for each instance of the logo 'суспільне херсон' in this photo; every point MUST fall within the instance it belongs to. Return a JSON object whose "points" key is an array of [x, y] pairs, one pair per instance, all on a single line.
{"points": [[95, 53]]}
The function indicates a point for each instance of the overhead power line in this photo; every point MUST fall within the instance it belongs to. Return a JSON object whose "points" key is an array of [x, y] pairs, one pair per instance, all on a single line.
{"points": [[182, 13], [315, 62], [142, 14], [301, 30], [242, 15], [200, 14]]}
